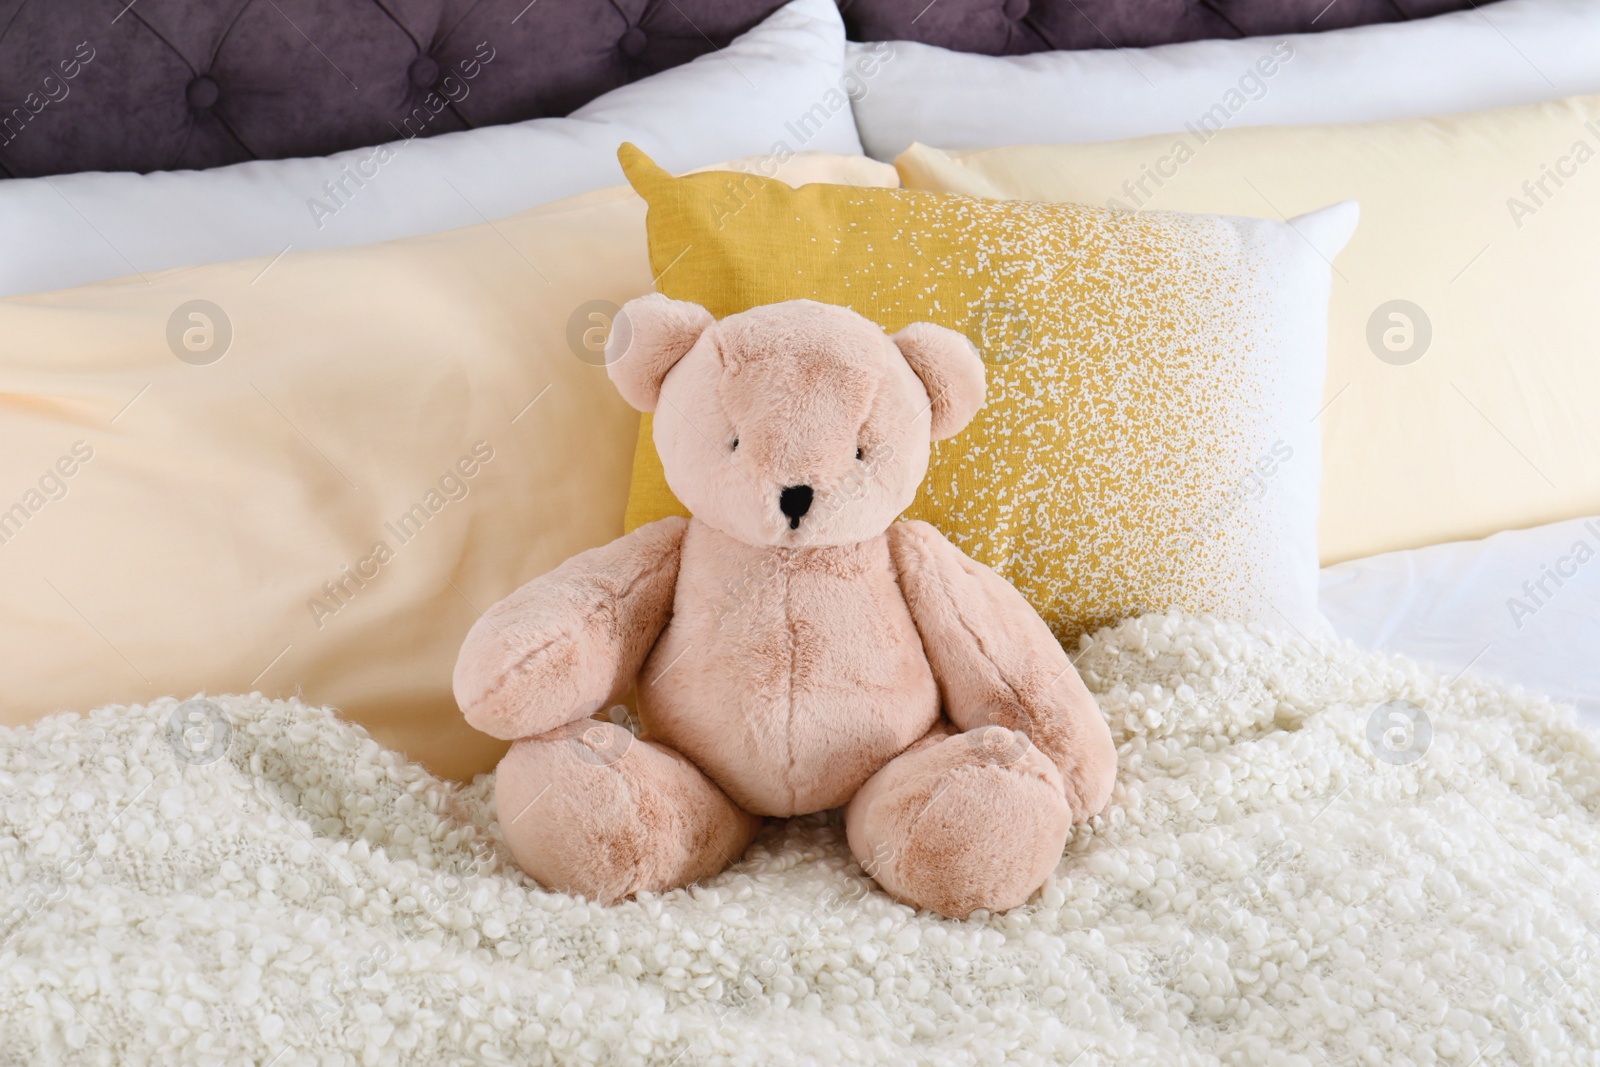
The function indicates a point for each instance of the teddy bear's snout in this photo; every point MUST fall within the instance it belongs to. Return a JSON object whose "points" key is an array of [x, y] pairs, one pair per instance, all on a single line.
{"points": [[794, 502]]}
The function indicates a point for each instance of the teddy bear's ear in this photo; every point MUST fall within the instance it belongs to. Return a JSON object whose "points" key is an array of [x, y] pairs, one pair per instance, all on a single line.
{"points": [[951, 371], [648, 337]]}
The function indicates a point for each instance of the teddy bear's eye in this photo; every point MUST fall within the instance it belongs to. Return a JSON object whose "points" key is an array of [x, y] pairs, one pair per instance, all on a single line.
{"points": [[859, 453]]}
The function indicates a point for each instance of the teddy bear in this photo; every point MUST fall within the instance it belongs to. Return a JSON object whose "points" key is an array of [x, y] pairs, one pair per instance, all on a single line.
{"points": [[794, 648]]}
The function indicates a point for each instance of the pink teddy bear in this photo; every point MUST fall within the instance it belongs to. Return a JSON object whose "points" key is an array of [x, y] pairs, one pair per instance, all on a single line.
{"points": [[794, 647]]}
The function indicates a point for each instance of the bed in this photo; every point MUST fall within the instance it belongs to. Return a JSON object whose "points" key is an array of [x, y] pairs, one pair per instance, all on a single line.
{"points": [[1375, 843]]}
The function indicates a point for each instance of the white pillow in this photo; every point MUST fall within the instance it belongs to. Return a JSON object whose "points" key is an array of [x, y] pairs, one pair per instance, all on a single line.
{"points": [[776, 89], [1513, 52]]}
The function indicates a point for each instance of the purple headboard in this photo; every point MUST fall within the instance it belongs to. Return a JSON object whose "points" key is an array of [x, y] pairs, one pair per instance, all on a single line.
{"points": [[1011, 27], [170, 84]]}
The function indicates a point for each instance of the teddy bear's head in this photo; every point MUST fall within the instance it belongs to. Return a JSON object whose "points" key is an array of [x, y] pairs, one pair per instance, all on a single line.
{"points": [[792, 424]]}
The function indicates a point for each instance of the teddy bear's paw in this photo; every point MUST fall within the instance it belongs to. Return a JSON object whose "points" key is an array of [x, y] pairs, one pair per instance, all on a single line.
{"points": [[587, 808], [509, 691], [562, 646], [971, 820]]}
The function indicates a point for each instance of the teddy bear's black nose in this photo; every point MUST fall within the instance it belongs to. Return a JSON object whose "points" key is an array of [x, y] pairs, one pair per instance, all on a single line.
{"points": [[794, 502]]}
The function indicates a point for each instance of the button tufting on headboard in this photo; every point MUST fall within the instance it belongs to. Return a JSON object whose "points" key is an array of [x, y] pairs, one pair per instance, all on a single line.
{"points": [[202, 92], [423, 72], [167, 84], [634, 42]]}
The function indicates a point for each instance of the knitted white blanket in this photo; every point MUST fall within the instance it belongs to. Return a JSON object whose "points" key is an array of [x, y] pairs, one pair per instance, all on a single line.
{"points": [[1314, 856]]}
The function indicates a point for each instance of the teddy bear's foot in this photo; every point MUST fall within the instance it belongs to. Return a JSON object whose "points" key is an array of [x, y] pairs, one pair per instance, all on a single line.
{"points": [[962, 821], [589, 809]]}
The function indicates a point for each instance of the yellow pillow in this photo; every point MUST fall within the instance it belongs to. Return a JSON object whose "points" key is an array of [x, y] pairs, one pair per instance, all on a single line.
{"points": [[309, 475], [1148, 439], [1464, 374]]}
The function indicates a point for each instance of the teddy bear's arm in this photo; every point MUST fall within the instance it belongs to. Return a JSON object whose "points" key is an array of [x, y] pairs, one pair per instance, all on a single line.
{"points": [[997, 663], [570, 641]]}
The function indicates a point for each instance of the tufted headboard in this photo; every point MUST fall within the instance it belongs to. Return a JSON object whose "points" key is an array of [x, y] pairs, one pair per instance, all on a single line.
{"points": [[1012, 27], [167, 84]]}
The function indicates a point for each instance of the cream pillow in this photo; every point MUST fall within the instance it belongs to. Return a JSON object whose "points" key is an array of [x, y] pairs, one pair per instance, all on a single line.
{"points": [[310, 474], [1463, 371]]}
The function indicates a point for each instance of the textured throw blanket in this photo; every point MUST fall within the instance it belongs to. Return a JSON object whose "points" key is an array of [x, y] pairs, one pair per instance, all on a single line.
{"points": [[1314, 856]]}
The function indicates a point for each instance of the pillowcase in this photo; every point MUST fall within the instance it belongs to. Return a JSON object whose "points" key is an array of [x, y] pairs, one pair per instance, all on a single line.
{"points": [[777, 85], [307, 475], [1512, 52], [1462, 378], [1153, 379], [1523, 606]]}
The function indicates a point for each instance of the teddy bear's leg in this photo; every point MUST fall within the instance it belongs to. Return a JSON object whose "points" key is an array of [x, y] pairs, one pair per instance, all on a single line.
{"points": [[589, 809], [961, 821]]}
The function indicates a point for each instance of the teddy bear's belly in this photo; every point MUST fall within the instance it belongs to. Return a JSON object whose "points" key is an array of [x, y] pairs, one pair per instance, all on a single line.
{"points": [[789, 677]]}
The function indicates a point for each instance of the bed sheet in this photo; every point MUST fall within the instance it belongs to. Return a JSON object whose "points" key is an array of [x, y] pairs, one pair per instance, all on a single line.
{"points": [[1522, 606]]}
